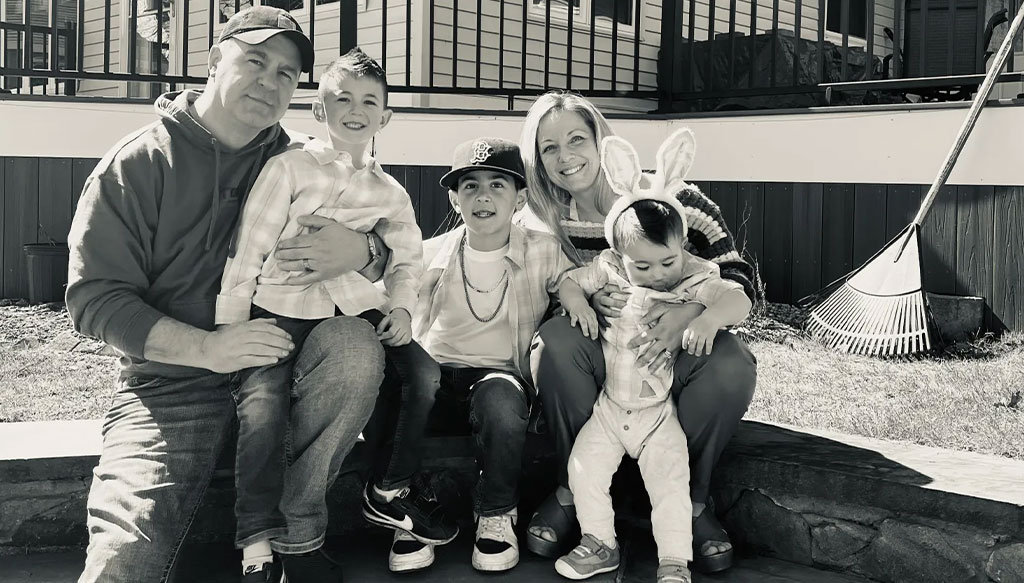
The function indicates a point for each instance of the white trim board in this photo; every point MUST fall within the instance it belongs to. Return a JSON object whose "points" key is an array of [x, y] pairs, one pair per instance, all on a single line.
{"points": [[863, 146]]}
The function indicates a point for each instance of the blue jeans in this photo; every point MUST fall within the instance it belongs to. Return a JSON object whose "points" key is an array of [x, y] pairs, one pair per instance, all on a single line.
{"points": [[400, 416], [262, 403], [493, 405], [712, 393], [162, 437]]}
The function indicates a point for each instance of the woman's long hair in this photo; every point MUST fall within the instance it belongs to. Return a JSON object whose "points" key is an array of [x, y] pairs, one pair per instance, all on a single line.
{"points": [[548, 202]]}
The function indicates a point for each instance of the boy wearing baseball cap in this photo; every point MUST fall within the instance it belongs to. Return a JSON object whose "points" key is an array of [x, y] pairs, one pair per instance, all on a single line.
{"points": [[486, 286]]}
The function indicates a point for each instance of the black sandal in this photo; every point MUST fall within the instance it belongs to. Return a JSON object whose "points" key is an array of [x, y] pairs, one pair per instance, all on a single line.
{"points": [[707, 528], [559, 519]]}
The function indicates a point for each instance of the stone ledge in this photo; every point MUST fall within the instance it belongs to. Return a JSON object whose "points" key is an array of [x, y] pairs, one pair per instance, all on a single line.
{"points": [[887, 511], [967, 488]]}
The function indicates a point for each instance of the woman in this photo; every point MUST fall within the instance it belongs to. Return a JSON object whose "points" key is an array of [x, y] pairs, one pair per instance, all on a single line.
{"points": [[570, 197]]}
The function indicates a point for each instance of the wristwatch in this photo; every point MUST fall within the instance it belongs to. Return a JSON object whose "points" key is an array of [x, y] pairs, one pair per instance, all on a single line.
{"points": [[371, 244]]}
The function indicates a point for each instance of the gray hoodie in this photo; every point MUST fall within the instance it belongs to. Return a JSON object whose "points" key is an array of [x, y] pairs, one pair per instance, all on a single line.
{"points": [[152, 230]]}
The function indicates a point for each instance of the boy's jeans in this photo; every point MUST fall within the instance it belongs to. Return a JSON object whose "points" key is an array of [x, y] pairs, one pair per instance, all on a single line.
{"points": [[162, 437], [497, 409], [405, 417], [262, 402]]}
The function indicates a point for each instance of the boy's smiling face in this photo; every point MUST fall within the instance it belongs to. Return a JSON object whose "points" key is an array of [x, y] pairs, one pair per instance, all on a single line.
{"points": [[486, 200], [354, 110]]}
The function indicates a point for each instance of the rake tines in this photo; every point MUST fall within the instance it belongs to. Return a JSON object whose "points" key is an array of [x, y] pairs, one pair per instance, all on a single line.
{"points": [[881, 309]]}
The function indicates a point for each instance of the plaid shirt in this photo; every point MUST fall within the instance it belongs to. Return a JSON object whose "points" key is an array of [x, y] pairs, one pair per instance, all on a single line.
{"points": [[322, 181], [536, 265], [624, 380]]}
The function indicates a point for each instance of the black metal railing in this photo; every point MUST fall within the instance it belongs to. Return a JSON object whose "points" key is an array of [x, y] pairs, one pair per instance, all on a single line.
{"points": [[706, 54], [40, 49]]}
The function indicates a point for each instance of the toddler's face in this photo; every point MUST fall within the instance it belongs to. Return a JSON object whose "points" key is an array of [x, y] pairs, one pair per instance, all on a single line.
{"points": [[655, 266], [353, 109]]}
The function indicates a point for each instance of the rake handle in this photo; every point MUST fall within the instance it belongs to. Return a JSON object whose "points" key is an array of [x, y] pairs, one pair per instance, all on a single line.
{"points": [[972, 118]]}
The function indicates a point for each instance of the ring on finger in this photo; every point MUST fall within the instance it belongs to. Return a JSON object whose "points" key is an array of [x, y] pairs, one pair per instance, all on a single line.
{"points": [[305, 264]]}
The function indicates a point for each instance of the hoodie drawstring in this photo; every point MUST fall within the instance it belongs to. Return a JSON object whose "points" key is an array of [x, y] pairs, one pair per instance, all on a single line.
{"points": [[216, 196], [249, 181]]}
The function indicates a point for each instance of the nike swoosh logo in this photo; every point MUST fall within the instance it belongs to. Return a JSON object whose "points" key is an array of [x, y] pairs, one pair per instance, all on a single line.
{"points": [[405, 523]]}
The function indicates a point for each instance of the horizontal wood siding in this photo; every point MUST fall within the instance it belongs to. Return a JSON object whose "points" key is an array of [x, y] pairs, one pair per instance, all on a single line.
{"points": [[494, 68], [801, 236], [93, 49], [555, 53]]}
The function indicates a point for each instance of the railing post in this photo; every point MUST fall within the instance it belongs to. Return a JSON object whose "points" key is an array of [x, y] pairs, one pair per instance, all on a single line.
{"points": [[669, 55], [71, 50], [349, 11]]}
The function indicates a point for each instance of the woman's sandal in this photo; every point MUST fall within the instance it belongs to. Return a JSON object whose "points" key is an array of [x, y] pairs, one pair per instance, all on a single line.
{"points": [[707, 528], [561, 520]]}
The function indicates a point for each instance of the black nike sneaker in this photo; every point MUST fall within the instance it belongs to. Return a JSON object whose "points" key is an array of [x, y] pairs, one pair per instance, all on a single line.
{"points": [[412, 512]]}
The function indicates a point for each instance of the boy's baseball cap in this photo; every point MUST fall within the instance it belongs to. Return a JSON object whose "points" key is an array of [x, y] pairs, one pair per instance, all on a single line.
{"points": [[255, 25], [485, 154]]}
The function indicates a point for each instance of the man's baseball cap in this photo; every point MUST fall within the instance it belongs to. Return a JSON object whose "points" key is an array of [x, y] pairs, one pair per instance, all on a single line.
{"points": [[485, 154], [255, 25]]}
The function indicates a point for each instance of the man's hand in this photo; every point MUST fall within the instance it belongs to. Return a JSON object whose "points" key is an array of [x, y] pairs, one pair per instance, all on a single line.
{"points": [[327, 252], [699, 336], [233, 347], [609, 301], [666, 323], [396, 328]]}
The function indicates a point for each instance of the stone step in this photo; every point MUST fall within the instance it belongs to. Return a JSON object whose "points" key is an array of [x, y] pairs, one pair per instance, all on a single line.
{"points": [[364, 557], [889, 511]]}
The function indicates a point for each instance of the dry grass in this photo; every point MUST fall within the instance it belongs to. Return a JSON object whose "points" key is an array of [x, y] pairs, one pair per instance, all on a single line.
{"points": [[968, 398], [967, 404], [49, 372]]}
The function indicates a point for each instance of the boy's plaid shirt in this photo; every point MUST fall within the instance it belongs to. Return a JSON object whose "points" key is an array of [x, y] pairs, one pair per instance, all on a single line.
{"points": [[320, 180], [536, 266]]}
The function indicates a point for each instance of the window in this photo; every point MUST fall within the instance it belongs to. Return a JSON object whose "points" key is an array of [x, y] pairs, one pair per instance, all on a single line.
{"points": [[857, 22], [613, 10], [228, 8], [151, 56], [604, 14], [560, 7]]}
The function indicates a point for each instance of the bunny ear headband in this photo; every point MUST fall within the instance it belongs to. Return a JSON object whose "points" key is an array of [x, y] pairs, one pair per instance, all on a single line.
{"points": [[622, 168]]}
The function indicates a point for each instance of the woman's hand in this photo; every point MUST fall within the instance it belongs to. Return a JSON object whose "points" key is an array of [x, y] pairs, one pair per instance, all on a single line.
{"points": [[608, 301], [662, 343], [327, 252]]}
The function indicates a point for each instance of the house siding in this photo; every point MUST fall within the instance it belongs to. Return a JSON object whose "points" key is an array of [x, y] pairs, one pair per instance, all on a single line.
{"points": [[493, 68]]}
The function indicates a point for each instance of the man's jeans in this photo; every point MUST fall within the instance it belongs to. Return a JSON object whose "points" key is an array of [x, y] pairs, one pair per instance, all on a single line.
{"points": [[162, 438]]}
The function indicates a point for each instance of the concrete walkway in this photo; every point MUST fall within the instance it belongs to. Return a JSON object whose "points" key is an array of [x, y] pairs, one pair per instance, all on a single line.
{"points": [[364, 557]]}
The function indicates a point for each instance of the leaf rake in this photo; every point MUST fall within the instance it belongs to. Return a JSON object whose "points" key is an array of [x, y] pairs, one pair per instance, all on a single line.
{"points": [[881, 308]]}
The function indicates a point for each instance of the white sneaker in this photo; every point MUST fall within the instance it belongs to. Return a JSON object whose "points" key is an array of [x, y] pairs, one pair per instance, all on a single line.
{"points": [[409, 554], [496, 547]]}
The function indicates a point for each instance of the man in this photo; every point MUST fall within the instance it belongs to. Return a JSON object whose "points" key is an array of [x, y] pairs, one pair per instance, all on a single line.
{"points": [[148, 245]]}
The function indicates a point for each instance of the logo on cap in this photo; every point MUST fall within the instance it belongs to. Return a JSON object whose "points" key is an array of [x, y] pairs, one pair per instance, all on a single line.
{"points": [[481, 152]]}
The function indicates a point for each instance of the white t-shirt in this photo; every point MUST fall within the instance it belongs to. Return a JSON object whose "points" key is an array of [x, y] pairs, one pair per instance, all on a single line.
{"points": [[458, 337]]}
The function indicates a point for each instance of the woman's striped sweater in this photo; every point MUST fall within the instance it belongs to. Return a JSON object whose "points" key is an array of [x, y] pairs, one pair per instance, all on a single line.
{"points": [[708, 238]]}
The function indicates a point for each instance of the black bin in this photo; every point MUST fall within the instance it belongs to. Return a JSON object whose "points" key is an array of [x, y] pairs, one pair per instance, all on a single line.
{"points": [[47, 271]]}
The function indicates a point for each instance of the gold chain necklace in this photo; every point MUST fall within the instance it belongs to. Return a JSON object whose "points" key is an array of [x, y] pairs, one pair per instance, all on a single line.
{"points": [[466, 285]]}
